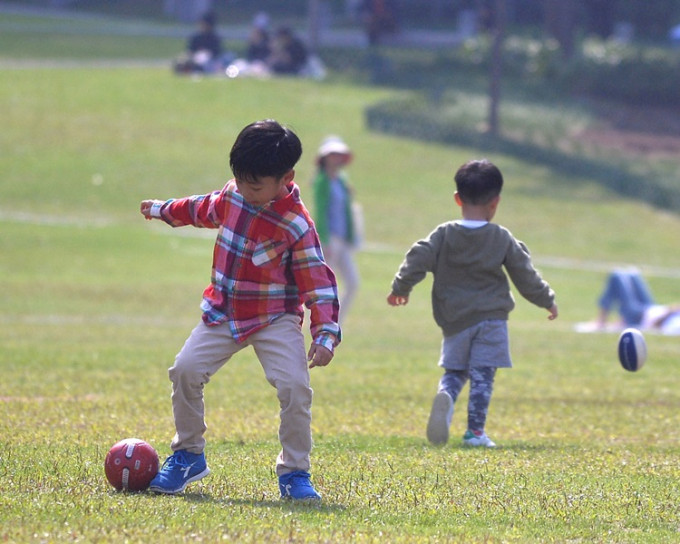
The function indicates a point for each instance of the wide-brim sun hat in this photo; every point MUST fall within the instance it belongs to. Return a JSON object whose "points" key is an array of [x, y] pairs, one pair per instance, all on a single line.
{"points": [[333, 144]]}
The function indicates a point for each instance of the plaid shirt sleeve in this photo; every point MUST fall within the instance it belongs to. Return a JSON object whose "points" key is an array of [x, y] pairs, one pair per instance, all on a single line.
{"points": [[199, 211], [318, 289]]}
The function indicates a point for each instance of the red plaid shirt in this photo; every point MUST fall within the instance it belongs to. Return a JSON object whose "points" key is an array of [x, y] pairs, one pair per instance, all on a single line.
{"points": [[266, 262]]}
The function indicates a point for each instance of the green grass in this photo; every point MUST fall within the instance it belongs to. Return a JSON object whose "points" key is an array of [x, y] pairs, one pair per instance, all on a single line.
{"points": [[31, 37], [96, 302]]}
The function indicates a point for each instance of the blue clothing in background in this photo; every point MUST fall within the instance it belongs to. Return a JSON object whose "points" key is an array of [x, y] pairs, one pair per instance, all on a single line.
{"points": [[337, 206], [627, 290]]}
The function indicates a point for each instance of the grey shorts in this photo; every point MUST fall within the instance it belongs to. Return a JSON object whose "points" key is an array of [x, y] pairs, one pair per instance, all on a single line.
{"points": [[484, 344]]}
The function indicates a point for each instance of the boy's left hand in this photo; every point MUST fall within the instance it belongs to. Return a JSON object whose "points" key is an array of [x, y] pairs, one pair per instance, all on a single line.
{"points": [[319, 356], [397, 300]]}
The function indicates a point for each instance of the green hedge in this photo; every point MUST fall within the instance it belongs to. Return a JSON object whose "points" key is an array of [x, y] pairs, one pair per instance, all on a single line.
{"points": [[634, 74]]}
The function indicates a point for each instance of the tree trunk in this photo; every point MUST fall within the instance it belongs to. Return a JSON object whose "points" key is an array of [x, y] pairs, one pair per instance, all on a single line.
{"points": [[496, 66], [314, 24], [560, 23]]}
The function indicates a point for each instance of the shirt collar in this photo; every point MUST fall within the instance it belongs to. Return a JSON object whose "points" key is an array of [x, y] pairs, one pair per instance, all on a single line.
{"points": [[471, 224]]}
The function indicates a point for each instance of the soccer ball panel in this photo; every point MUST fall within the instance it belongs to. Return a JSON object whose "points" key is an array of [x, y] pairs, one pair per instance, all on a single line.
{"points": [[131, 464], [632, 350]]}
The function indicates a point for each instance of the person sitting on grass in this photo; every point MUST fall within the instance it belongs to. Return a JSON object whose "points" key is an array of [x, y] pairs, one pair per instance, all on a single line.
{"points": [[471, 297], [289, 54], [267, 262], [204, 49], [628, 291]]}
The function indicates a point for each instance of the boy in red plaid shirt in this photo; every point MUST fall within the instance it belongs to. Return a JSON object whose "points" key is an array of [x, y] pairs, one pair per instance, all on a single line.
{"points": [[267, 262]]}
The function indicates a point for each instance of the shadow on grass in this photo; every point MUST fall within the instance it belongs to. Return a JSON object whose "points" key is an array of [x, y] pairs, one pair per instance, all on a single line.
{"points": [[285, 505], [373, 445], [500, 447], [416, 121]]}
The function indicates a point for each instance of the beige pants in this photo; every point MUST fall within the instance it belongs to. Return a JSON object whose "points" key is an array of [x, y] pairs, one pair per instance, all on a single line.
{"points": [[340, 257], [280, 348]]}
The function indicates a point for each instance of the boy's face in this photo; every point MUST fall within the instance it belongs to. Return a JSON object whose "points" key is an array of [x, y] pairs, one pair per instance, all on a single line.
{"points": [[261, 191]]}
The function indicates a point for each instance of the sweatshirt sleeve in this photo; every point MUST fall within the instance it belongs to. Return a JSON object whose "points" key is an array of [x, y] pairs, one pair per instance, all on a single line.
{"points": [[419, 260], [526, 278]]}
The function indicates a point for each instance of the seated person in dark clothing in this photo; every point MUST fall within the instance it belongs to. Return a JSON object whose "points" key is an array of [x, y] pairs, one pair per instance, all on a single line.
{"points": [[204, 48], [206, 41], [289, 53], [258, 45]]}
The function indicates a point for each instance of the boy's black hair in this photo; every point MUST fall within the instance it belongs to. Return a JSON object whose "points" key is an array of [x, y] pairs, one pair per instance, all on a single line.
{"points": [[478, 182], [264, 148]]}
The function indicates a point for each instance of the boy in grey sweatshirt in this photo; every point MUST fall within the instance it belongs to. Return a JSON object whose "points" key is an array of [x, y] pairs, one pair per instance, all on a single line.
{"points": [[471, 297]]}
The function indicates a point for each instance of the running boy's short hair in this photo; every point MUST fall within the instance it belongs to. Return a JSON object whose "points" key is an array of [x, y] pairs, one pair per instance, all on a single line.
{"points": [[478, 182], [264, 148]]}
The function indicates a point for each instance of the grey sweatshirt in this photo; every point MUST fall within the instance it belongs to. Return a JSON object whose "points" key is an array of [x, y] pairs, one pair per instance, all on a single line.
{"points": [[470, 285]]}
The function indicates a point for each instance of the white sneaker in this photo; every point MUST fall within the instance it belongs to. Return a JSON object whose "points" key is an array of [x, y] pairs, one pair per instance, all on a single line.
{"points": [[477, 439], [440, 418]]}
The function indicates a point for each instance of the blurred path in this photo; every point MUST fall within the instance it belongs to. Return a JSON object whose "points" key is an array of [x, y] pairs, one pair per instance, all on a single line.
{"points": [[561, 263]]}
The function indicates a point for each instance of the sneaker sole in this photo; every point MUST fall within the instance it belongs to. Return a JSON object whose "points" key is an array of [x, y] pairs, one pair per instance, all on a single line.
{"points": [[438, 424], [195, 478], [474, 444], [310, 500]]}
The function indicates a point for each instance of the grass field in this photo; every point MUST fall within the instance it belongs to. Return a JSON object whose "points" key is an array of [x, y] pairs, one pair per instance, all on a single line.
{"points": [[95, 302]]}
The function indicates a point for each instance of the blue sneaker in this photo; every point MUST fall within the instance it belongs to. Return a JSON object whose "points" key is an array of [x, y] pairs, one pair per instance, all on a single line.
{"points": [[180, 469], [296, 486]]}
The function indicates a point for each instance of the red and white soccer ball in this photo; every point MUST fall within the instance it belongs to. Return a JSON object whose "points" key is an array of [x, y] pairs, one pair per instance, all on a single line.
{"points": [[131, 464]]}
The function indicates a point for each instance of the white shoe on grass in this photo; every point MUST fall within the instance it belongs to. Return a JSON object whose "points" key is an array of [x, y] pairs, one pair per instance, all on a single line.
{"points": [[477, 439], [440, 418]]}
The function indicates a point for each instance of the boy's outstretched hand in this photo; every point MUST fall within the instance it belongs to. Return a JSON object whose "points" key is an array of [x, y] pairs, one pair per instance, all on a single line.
{"points": [[397, 300], [319, 356], [553, 312], [145, 208]]}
